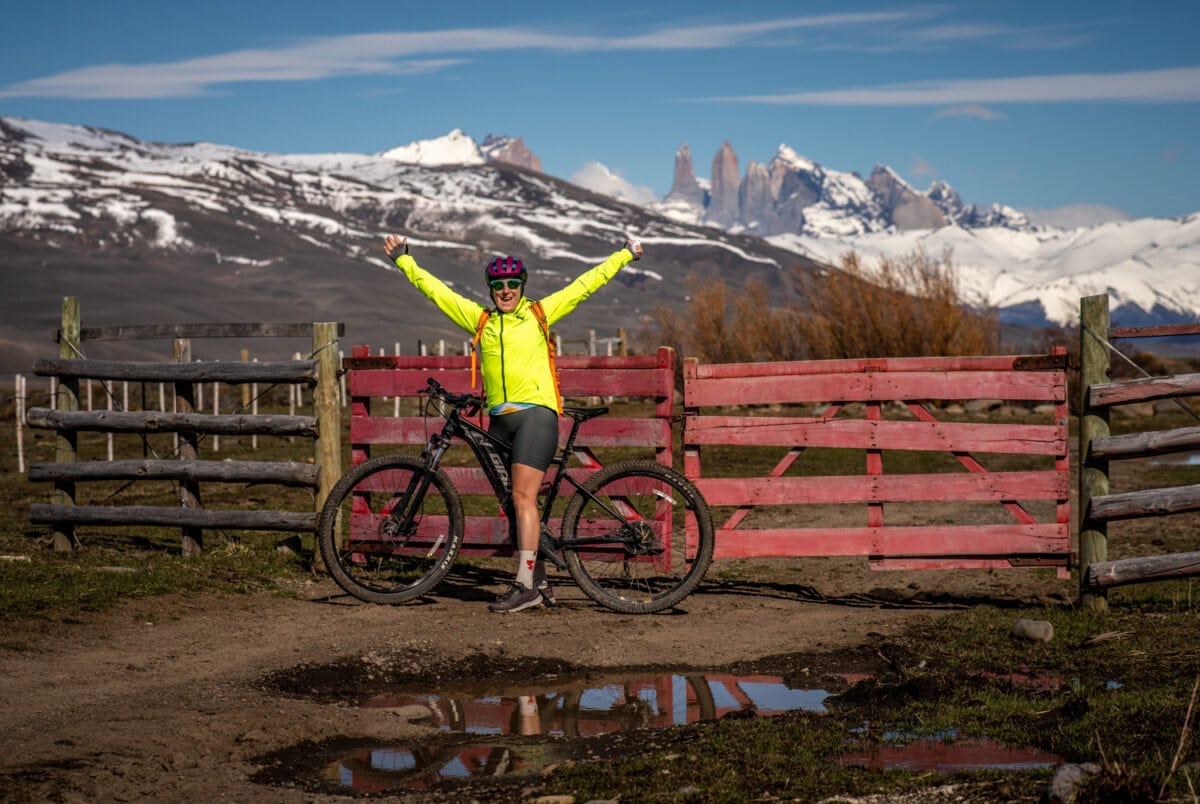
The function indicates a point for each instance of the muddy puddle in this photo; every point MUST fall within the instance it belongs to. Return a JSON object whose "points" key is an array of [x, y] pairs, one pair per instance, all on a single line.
{"points": [[508, 720], [500, 727]]}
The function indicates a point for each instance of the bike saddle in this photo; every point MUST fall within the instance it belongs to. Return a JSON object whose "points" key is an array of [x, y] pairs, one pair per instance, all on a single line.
{"points": [[583, 414]]}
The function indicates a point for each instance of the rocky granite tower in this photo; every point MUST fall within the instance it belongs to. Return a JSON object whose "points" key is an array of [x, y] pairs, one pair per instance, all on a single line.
{"points": [[723, 201], [685, 187]]}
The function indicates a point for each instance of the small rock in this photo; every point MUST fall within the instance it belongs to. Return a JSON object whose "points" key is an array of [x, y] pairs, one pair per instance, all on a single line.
{"points": [[1033, 630], [1067, 779], [412, 712]]}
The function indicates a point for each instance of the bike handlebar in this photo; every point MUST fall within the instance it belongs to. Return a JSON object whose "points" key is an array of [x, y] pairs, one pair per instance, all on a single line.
{"points": [[468, 403]]}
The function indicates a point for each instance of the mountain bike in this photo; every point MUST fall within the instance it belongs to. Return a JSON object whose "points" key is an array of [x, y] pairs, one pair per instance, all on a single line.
{"points": [[636, 536]]}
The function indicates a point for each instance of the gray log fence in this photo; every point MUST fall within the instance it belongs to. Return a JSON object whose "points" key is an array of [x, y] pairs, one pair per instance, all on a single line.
{"points": [[1097, 447], [187, 468]]}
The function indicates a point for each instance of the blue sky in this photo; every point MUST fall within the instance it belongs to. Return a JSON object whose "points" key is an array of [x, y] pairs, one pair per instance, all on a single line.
{"points": [[1031, 104]]}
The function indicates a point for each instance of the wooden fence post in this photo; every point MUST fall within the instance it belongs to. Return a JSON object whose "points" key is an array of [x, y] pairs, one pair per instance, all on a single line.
{"points": [[189, 443], [66, 443], [1093, 423], [328, 444], [20, 406]]}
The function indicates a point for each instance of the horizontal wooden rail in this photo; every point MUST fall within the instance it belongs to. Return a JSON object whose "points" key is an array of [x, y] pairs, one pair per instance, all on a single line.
{"points": [[601, 432], [286, 473], [795, 368], [1161, 331], [845, 489], [979, 541], [1032, 439], [138, 421], [1148, 502], [42, 514], [877, 386], [1146, 390], [141, 332], [1142, 569], [1146, 445], [233, 373]]}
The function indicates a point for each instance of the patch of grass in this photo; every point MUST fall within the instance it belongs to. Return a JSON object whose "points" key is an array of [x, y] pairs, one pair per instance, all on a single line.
{"points": [[93, 579]]}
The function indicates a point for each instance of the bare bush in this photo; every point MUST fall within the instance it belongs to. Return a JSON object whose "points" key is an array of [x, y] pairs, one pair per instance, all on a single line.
{"points": [[904, 307]]}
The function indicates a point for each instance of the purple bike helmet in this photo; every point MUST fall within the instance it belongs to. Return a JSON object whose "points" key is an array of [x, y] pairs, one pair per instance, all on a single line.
{"points": [[505, 268]]}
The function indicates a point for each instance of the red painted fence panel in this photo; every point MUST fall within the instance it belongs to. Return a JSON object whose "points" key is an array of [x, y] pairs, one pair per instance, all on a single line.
{"points": [[916, 391], [375, 382]]}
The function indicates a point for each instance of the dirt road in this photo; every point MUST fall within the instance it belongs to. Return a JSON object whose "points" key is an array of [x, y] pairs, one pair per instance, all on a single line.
{"points": [[163, 699]]}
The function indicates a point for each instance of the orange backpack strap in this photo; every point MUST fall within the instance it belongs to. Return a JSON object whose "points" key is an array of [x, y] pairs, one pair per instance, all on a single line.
{"points": [[483, 319], [540, 314]]}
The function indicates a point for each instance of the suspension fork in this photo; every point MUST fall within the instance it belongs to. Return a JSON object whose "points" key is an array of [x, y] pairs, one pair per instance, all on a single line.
{"points": [[418, 485]]}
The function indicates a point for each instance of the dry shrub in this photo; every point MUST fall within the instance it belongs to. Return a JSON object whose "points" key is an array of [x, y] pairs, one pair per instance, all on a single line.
{"points": [[906, 307], [718, 329]]}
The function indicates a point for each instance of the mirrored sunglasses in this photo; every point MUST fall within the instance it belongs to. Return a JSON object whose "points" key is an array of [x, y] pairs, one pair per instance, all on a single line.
{"points": [[498, 284]]}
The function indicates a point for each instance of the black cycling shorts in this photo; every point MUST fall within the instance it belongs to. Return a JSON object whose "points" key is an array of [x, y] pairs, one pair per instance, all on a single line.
{"points": [[533, 433]]}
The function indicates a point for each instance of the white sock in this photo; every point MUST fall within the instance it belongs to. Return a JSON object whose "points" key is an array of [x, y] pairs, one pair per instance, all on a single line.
{"points": [[526, 559]]}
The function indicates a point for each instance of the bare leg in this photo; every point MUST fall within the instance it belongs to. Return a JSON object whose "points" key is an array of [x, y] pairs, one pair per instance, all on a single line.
{"points": [[526, 482]]}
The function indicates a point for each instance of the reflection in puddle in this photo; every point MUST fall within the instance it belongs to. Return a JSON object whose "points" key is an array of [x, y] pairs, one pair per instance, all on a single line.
{"points": [[566, 708], [941, 756], [583, 708], [376, 770]]}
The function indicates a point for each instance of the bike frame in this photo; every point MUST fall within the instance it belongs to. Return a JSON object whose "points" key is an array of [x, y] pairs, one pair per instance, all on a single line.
{"points": [[491, 452]]}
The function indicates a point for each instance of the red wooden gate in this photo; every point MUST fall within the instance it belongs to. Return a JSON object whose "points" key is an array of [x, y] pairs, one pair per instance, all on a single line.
{"points": [[907, 424], [374, 421]]}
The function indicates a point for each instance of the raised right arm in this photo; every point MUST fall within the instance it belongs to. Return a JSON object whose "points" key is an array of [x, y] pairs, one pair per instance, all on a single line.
{"points": [[458, 308]]}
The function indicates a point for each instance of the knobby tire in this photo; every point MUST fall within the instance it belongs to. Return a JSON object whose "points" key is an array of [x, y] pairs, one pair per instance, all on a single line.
{"points": [[673, 532], [381, 568]]}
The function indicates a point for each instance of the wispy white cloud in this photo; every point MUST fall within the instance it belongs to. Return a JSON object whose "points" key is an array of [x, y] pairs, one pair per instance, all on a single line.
{"points": [[601, 179], [395, 53], [970, 110], [1180, 85], [921, 167]]}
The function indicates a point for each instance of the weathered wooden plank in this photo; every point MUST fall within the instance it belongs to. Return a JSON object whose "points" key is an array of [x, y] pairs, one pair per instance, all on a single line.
{"points": [[600, 432], [1160, 331], [1144, 390], [1143, 569], [877, 387], [388, 362], [1032, 439], [41, 514], [1147, 502], [573, 382], [139, 421], [234, 373], [165, 331], [1145, 445], [933, 540], [845, 489], [859, 365], [287, 473], [951, 563]]}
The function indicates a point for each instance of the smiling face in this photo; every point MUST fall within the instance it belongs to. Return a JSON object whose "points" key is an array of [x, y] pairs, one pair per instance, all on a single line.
{"points": [[506, 296]]}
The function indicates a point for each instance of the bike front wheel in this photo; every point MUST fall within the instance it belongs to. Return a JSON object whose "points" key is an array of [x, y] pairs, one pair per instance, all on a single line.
{"points": [[390, 529], [638, 537]]}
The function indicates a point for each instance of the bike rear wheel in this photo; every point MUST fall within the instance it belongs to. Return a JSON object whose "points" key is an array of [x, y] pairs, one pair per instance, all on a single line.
{"points": [[649, 537], [385, 538]]}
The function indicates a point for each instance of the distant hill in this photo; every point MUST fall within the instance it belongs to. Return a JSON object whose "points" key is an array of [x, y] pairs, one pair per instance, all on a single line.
{"points": [[147, 233]]}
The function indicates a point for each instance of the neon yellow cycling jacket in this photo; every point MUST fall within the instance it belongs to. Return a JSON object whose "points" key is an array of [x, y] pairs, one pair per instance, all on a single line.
{"points": [[512, 348]]}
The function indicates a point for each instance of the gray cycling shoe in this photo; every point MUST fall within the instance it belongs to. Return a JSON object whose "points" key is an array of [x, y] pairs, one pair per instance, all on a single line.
{"points": [[517, 598], [542, 585]]}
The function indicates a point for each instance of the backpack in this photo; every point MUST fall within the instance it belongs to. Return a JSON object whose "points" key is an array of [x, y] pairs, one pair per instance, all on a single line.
{"points": [[540, 315]]}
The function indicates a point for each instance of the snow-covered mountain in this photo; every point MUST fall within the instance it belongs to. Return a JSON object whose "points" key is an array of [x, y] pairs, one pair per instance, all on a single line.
{"points": [[1034, 274], [152, 233]]}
